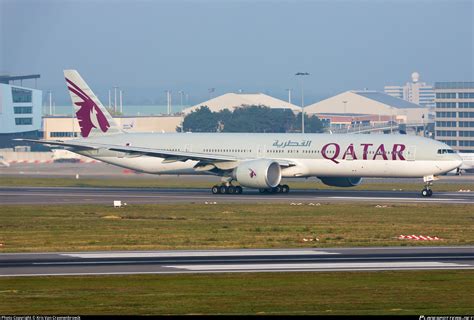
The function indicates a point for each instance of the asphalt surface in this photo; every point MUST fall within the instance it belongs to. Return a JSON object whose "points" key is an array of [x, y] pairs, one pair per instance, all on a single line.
{"points": [[217, 261], [79, 195], [106, 171]]}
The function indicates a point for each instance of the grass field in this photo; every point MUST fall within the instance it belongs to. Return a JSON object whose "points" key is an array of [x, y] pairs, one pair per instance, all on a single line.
{"points": [[192, 226], [390, 293], [161, 182]]}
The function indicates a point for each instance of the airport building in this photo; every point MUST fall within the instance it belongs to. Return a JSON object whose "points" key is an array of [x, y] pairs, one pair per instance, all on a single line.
{"points": [[20, 110], [231, 101], [368, 109], [417, 92], [67, 127], [454, 119]]}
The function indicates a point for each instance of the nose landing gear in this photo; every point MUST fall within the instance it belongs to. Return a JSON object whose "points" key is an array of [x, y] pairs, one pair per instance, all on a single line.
{"points": [[427, 192]]}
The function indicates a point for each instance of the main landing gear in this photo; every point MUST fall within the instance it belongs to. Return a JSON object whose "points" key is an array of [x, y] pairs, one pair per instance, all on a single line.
{"points": [[278, 189], [223, 189], [230, 189], [427, 192]]}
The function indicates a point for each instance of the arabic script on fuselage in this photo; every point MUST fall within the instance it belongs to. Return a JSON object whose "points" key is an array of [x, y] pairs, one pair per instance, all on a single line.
{"points": [[290, 143]]}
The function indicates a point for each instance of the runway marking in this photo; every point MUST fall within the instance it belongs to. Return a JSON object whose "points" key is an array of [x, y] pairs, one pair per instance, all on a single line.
{"points": [[283, 266], [308, 267], [392, 198], [192, 254], [243, 197], [195, 261], [41, 195]]}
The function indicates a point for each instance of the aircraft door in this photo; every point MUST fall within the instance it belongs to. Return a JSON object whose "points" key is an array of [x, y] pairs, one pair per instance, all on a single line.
{"points": [[261, 151]]}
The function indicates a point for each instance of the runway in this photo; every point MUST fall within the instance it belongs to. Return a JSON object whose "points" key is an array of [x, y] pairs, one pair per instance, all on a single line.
{"points": [[77, 195], [218, 261]]}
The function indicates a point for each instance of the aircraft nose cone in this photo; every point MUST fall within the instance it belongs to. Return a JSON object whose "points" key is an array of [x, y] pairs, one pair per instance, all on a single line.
{"points": [[457, 160]]}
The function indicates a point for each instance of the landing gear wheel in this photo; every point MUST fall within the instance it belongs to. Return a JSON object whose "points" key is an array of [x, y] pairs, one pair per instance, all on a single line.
{"points": [[426, 192], [285, 188], [262, 190], [222, 189], [215, 190]]}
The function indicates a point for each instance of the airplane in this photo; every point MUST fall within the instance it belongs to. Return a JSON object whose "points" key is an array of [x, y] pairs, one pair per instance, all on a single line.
{"points": [[253, 160], [467, 165]]}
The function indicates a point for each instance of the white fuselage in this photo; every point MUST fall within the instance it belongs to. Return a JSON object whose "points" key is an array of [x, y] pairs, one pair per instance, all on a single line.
{"points": [[321, 155]]}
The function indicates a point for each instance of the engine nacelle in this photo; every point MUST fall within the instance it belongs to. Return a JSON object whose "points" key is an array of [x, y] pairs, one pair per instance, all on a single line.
{"points": [[341, 181], [261, 173]]}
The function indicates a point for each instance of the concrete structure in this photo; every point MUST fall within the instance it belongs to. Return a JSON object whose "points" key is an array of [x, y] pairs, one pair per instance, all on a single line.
{"points": [[235, 100], [370, 106], [20, 110], [349, 120], [63, 127], [454, 121], [415, 91]]}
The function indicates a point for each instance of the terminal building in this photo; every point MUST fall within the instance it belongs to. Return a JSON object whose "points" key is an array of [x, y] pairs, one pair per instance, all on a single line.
{"points": [[454, 119], [415, 91], [20, 110], [368, 110]]}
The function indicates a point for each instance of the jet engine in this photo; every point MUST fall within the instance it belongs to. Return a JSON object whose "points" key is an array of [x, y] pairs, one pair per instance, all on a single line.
{"points": [[341, 181], [261, 173]]}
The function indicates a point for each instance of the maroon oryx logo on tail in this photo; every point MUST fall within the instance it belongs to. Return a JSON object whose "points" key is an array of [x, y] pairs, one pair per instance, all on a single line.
{"points": [[89, 115], [252, 173]]}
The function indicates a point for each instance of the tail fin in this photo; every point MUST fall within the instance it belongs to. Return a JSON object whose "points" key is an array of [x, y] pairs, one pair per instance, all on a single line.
{"points": [[93, 117]]}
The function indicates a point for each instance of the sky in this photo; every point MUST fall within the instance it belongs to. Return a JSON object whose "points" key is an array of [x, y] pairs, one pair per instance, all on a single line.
{"points": [[147, 47]]}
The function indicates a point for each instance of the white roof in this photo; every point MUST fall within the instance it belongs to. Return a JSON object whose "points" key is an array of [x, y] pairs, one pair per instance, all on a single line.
{"points": [[360, 102], [369, 102], [235, 100]]}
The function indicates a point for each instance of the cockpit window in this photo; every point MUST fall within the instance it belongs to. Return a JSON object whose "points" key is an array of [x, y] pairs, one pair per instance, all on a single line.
{"points": [[444, 151]]}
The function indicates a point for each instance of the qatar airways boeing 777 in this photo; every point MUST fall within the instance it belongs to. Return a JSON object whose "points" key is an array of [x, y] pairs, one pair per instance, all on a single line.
{"points": [[253, 160]]}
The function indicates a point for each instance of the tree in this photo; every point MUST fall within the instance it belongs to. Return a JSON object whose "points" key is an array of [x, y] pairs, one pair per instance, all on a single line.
{"points": [[249, 119], [200, 120], [312, 124]]}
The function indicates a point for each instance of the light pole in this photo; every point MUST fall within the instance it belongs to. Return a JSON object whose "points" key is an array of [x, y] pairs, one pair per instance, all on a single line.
{"points": [[115, 99], [120, 99], [168, 101], [181, 93], [345, 113], [289, 95], [51, 103], [302, 98]]}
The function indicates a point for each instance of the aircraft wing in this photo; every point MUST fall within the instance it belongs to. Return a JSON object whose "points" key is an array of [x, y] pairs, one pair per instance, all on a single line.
{"points": [[160, 153], [168, 156], [81, 146], [171, 155]]}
